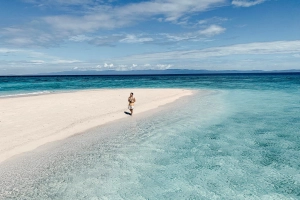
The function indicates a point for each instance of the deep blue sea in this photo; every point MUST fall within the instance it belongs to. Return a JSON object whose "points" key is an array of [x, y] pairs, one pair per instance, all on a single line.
{"points": [[239, 141]]}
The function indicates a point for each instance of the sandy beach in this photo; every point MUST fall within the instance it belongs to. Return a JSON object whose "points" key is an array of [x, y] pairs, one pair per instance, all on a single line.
{"points": [[31, 121]]}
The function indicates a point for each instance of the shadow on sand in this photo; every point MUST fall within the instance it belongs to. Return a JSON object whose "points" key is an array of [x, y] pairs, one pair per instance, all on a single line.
{"points": [[127, 113]]}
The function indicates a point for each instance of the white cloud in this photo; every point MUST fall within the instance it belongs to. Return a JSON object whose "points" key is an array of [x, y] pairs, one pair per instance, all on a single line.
{"points": [[108, 17], [200, 35], [135, 39], [203, 21], [124, 67], [179, 37], [259, 56], [80, 38], [213, 20], [37, 57], [110, 65], [20, 41], [212, 30], [111, 40], [27, 36], [163, 66], [23, 52], [246, 3], [37, 62], [285, 54], [106, 40], [61, 61], [263, 48], [6, 50], [87, 23], [121, 67], [60, 2], [95, 15]]}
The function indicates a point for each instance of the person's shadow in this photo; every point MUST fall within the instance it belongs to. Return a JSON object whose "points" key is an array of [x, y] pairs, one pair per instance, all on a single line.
{"points": [[127, 113]]}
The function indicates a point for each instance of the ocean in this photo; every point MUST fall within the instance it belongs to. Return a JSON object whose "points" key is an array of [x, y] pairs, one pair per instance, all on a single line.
{"points": [[241, 140]]}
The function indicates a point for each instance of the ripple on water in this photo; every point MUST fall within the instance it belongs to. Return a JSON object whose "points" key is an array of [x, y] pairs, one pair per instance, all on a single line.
{"points": [[215, 148]]}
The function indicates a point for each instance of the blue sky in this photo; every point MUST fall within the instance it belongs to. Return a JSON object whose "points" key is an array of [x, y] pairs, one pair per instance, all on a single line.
{"points": [[39, 36]]}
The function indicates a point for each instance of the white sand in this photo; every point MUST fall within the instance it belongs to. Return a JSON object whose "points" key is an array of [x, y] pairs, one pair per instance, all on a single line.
{"points": [[29, 122]]}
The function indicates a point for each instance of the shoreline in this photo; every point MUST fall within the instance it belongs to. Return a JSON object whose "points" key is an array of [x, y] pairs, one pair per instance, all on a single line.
{"points": [[29, 122]]}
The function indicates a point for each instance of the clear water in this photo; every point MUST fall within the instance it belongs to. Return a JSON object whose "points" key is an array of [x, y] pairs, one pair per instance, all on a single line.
{"points": [[37, 85], [240, 141]]}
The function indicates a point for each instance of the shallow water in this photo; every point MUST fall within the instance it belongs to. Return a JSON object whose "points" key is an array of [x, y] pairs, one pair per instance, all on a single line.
{"points": [[232, 143]]}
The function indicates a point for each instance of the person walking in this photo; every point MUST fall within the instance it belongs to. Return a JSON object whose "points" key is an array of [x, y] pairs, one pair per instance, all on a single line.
{"points": [[131, 101]]}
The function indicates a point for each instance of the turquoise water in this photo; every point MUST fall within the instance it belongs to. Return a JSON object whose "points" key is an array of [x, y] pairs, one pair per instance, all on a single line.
{"points": [[38, 85], [239, 141]]}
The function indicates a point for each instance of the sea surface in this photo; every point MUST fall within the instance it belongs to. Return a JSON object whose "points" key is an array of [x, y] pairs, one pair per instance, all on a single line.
{"points": [[240, 140]]}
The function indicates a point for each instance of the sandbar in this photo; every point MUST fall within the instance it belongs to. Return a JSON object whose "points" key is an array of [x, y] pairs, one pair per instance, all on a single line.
{"points": [[28, 122]]}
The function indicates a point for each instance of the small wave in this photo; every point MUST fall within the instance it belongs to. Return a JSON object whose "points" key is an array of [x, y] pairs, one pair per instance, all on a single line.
{"points": [[25, 94]]}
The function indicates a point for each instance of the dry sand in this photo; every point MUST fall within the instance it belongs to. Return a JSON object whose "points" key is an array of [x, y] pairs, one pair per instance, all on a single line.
{"points": [[29, 122]]}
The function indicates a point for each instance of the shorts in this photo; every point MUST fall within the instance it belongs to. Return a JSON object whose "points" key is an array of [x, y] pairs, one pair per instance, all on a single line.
{"points": [[130, 107]]}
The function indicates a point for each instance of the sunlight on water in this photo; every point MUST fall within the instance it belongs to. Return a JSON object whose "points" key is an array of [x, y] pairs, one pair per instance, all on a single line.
{"points": [[230, 144]]}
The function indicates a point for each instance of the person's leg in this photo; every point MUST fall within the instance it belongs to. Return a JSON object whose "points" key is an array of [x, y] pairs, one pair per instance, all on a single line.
{"points": [[131, 110]]}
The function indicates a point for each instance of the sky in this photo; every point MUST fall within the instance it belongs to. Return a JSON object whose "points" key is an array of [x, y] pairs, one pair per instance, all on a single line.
{"points": [[42, 36]]}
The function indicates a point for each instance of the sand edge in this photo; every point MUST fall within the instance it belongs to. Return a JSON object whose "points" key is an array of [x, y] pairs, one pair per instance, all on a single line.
{"points": [[32, 121]]}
